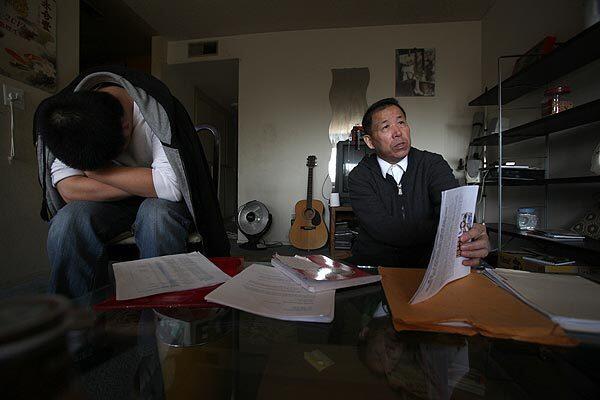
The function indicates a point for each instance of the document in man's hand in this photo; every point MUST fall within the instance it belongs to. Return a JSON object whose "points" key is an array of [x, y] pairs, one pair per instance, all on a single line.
{"points": [[164, 274], [266, 291], [456, 217]]}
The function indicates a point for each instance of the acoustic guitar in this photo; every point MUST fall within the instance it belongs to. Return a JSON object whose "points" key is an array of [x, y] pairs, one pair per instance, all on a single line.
{"points": [[309, 231]]}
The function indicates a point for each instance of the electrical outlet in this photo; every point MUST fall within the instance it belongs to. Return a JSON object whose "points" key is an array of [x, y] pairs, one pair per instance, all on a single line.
{"points": [[16, 93]]}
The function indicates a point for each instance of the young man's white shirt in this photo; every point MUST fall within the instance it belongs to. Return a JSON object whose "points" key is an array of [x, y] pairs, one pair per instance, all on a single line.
{"points": [[144, 150]]}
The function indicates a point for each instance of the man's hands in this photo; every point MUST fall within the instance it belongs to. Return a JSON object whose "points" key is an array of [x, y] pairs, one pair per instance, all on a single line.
{"points": [[108, 184], [136, 181], [77, 188], [478, 248]]}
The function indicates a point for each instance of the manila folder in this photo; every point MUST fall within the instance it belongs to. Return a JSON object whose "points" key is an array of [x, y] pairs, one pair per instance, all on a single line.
{"points": [[467, 306]]}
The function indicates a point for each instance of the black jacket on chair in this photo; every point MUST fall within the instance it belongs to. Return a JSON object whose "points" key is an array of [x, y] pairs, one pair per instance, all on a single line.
{"points": [[398, 230], [172, 125]]}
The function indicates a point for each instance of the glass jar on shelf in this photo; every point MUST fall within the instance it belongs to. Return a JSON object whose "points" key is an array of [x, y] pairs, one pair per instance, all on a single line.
{"points": [[556, 99], [527, 219]]}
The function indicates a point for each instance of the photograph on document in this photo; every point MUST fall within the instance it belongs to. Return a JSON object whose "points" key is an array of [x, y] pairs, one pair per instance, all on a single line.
{"points": [[466, 223]]}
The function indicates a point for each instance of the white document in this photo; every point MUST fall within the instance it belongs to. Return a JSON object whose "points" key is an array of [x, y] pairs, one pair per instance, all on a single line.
{"points": [[571, 301], [266, 291], [164, 274], [456, 217]]}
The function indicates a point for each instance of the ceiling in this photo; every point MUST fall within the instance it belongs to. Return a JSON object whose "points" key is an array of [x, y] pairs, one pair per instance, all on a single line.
{"points": [[186, 19]]}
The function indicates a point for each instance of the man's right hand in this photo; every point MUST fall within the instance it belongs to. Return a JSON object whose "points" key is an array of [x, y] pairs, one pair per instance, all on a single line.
{"points": [[474, 245], [79, 187]]}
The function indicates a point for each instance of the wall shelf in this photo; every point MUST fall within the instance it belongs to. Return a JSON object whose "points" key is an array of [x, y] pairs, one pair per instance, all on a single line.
{"points": [[580, 50], [540, 182], [589, 245], [581, 115]]}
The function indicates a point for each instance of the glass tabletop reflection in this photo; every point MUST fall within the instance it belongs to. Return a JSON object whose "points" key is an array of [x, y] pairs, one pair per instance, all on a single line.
{"points": [[224, 354]]}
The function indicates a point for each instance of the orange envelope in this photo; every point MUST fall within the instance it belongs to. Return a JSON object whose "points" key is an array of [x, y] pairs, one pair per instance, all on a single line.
{"points": [[474, 300]]}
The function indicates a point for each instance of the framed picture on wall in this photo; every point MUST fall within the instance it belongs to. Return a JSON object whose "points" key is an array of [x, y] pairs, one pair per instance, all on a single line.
{"points": [[415, 72], [28, 37]]}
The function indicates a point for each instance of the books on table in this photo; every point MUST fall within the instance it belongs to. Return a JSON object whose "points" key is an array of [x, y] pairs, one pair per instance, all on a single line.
{"points": [[172, 273], [266, 291], [317, 273], [573, 302], [468, 306], [188, 298], [294, 289]]}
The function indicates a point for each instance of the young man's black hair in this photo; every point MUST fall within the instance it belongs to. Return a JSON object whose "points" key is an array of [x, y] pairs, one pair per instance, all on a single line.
{"points": [[367, 120], [83, 129]]}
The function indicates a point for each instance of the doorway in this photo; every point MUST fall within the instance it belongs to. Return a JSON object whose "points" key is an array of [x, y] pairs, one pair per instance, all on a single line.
{"points": [[209, 91], [208, 111], [216, 104]]}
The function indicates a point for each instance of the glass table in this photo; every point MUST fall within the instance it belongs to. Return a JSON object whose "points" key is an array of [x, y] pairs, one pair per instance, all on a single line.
{"points": [[221, 353]]}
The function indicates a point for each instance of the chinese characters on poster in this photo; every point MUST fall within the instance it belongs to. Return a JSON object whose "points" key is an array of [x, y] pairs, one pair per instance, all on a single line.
{"points": [[28, 38]]}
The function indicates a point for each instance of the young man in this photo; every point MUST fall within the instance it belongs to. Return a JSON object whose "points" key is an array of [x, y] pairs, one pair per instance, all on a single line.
{"points": [[396, 195], [113, 158]]}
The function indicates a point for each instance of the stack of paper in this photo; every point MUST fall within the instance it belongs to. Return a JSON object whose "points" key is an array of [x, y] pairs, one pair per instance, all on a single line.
{"points": [[145, 277], [467, 306], [573, 302], [266, 291]]}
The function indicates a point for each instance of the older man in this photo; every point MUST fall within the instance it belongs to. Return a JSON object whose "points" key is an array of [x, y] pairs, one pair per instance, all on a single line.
{"points": [[396, 195]]}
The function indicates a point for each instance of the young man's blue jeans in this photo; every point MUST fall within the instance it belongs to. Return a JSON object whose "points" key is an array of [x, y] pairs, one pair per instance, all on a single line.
{"points": [[80, 230]]}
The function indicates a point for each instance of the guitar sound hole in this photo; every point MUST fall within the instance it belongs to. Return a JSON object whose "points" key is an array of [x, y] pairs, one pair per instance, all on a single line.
{"points": [[316, 221], [309, 213]]}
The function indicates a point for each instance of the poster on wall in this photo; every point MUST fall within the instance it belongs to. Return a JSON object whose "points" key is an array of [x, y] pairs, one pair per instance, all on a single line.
{"points": [[28, 42], [415, 72]]}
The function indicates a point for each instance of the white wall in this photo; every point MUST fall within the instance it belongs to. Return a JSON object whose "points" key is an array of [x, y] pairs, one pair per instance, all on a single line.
{"points": [[284, 110], [23, 233]]}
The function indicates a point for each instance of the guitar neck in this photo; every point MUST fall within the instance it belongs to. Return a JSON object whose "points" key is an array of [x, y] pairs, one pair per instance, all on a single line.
{"points": [[309, 192]]}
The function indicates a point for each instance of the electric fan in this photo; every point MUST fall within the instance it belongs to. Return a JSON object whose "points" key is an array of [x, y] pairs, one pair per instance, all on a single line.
{"points": [[253, 220]]}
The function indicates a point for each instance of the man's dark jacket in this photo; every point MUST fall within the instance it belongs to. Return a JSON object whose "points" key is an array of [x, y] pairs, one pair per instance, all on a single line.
{"points": [[183, 149], [398, 230]]}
